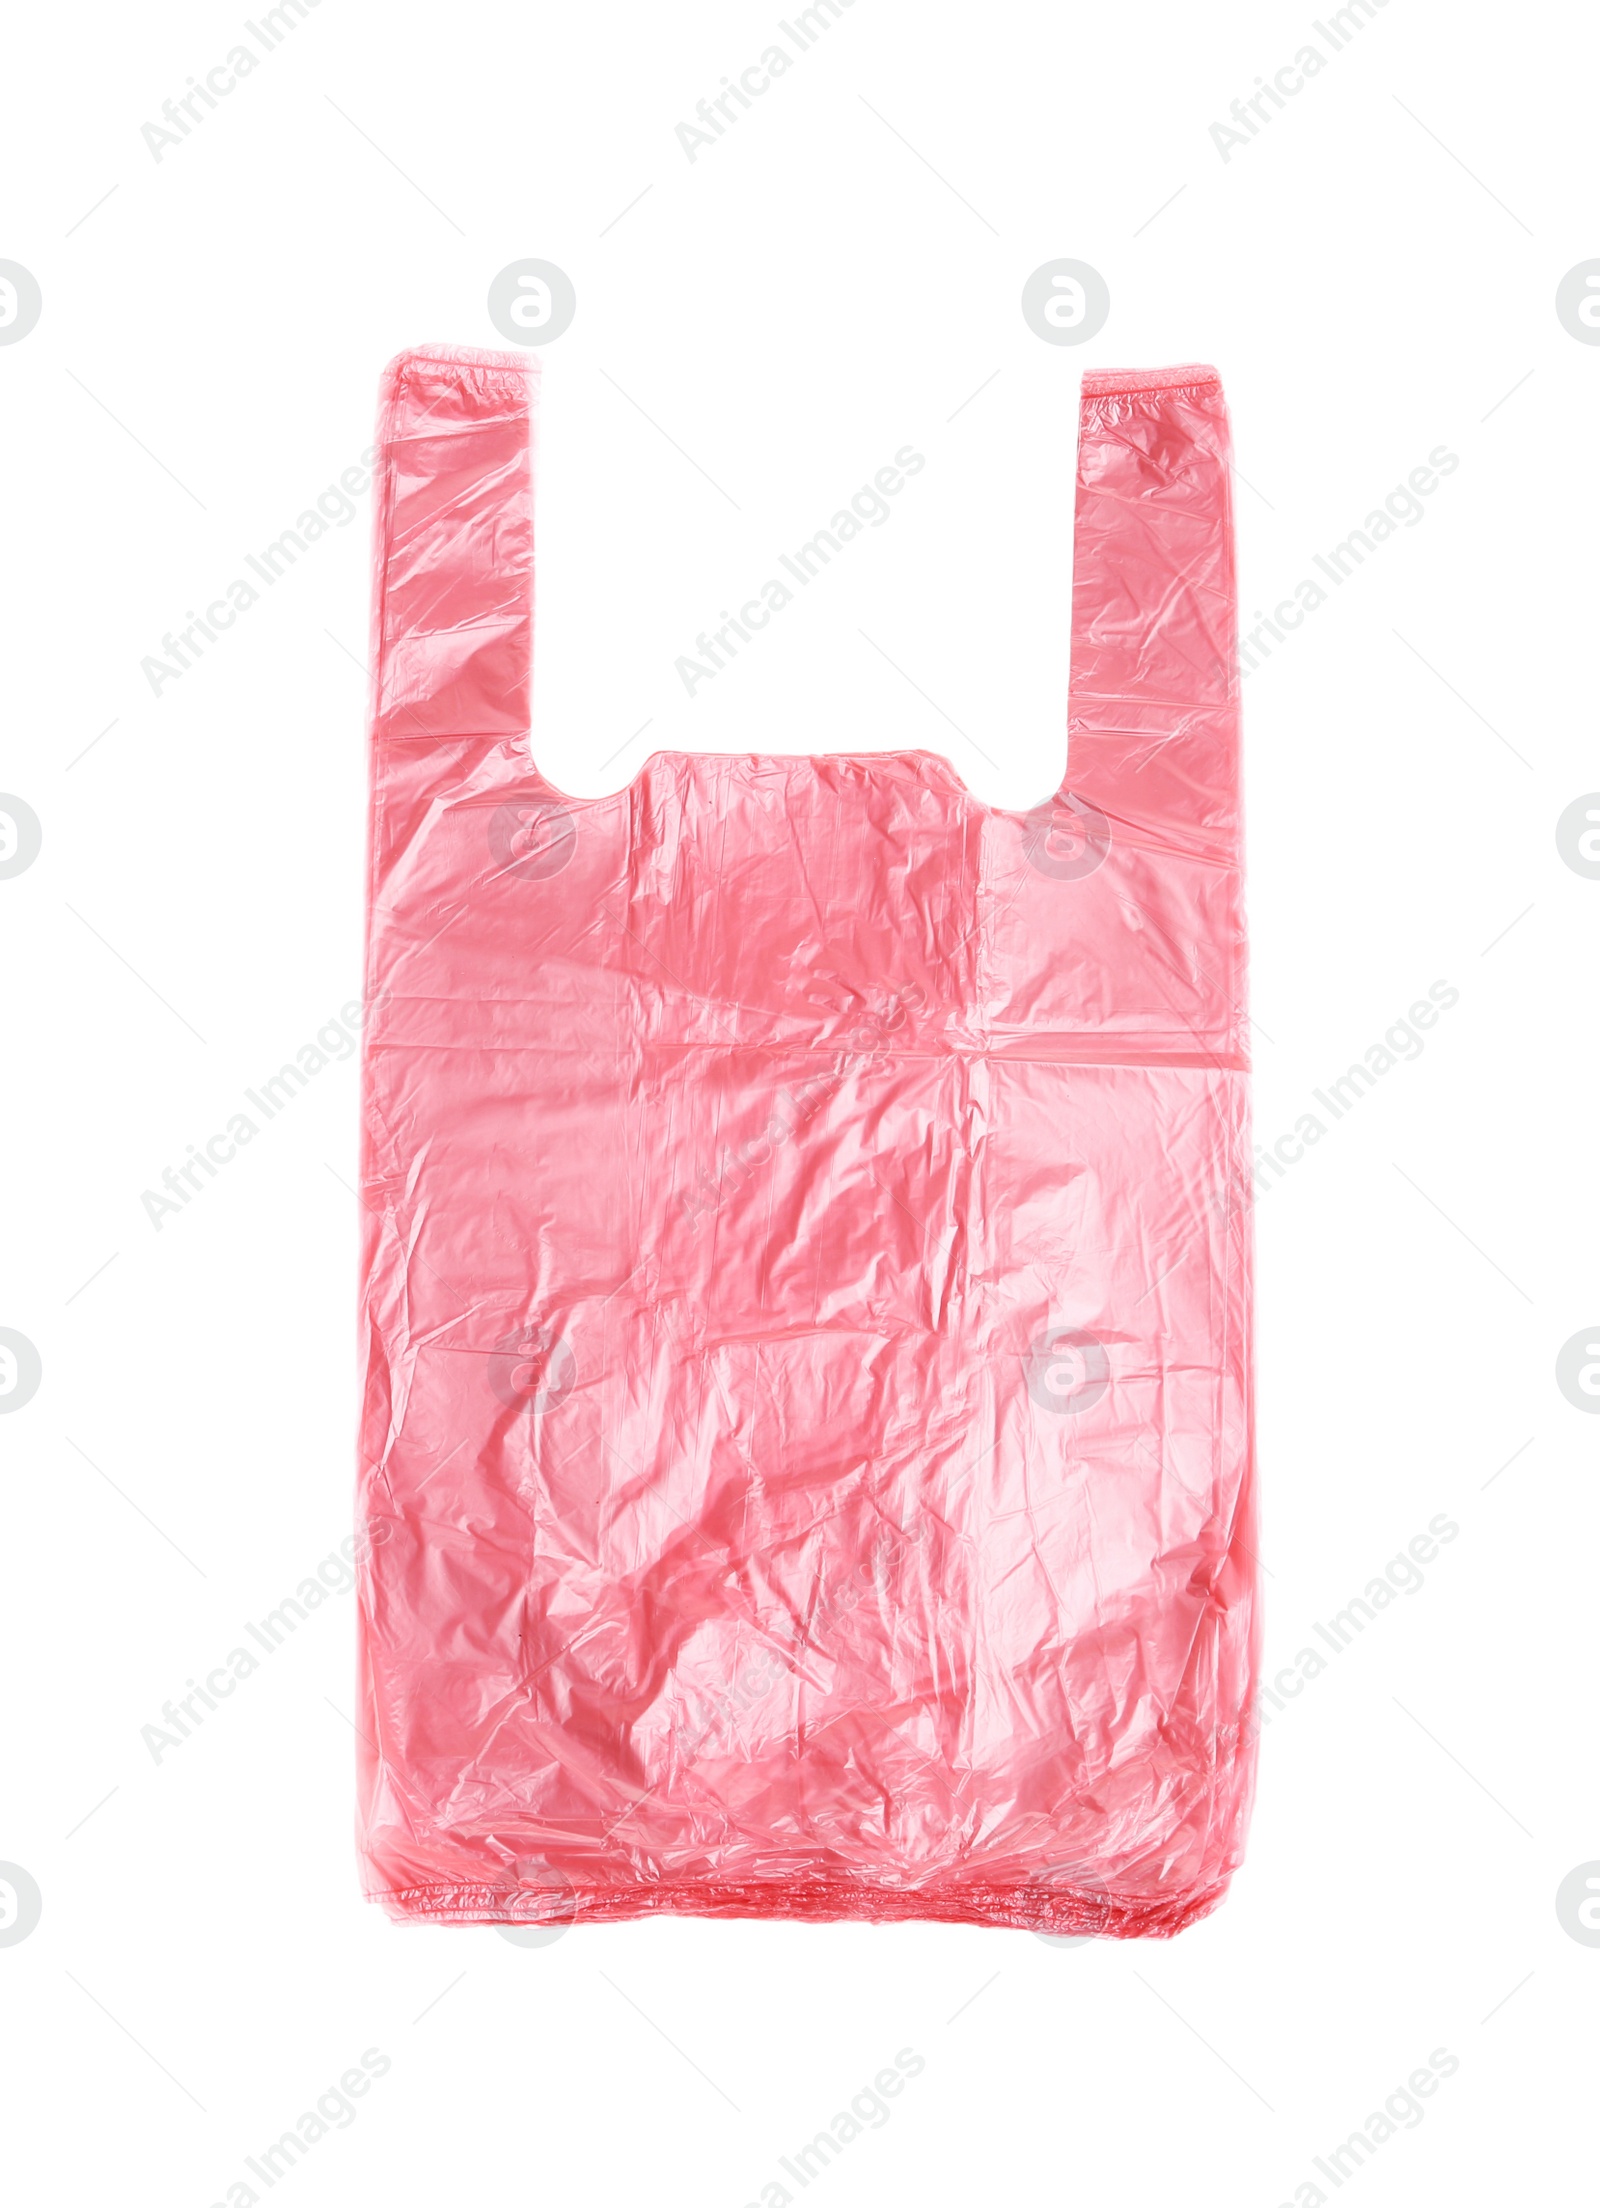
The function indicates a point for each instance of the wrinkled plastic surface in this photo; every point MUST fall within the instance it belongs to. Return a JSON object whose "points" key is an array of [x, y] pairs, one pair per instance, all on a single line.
{"points": [[806, 1448]]}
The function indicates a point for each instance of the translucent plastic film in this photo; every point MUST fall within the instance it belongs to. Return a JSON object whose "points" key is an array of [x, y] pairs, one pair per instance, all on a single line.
{"points": [[806, 1450]]}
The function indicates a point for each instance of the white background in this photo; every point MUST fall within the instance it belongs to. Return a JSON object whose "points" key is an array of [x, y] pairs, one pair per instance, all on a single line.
{"points": [[1374, 275]]}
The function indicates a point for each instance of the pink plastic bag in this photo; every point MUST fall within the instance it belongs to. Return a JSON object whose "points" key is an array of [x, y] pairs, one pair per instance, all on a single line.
{"points": [[806, 1277]]}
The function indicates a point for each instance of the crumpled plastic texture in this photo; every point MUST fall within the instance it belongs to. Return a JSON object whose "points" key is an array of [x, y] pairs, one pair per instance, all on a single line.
{"points": [[806, 1456]]}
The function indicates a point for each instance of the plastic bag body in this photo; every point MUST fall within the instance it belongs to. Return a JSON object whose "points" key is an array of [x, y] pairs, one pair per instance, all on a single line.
{"points": [[806, 1452]]}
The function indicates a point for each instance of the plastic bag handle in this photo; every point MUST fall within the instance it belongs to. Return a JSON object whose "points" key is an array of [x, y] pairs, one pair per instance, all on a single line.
{"points": [[452, 632], [1153, 719]]}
